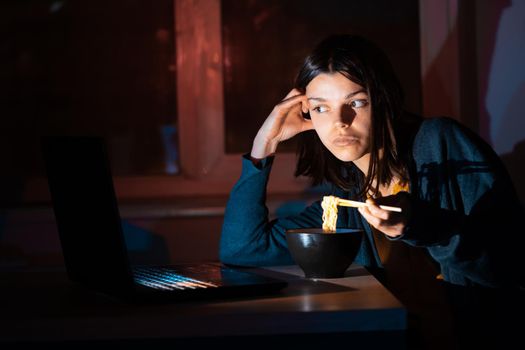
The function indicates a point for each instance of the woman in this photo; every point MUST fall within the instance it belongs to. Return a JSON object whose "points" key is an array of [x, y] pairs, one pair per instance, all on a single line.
{"points": [[457, 199], [456, 196]]}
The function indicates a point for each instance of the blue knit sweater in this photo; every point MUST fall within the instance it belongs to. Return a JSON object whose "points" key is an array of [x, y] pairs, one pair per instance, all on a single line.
{"points": [[465, 212]]}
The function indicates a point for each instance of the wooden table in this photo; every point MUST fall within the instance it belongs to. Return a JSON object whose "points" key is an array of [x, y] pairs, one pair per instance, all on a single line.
{"points": [[42, 306]]}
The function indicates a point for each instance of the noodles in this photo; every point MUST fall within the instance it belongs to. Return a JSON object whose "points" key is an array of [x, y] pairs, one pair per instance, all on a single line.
{"points": [[329, 205]]}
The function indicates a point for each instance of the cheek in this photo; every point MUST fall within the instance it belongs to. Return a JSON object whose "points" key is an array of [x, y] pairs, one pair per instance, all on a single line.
{"points": [[362, 120], [320, 124], [320, 128]]}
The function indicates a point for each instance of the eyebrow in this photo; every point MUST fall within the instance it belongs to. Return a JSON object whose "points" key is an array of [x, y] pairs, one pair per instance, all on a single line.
{"points": [[320, 99]]}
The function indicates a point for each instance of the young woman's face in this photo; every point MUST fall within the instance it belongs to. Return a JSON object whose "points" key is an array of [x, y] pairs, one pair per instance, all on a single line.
{"points": [[341, 115]]}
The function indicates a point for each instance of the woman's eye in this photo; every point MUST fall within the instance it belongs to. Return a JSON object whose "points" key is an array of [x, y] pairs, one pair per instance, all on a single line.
{"points": [[358, 103], [320, 109]]}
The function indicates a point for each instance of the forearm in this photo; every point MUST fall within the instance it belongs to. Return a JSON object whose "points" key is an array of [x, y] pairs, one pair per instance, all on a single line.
{"points": [[248, 238], [262, 147]]}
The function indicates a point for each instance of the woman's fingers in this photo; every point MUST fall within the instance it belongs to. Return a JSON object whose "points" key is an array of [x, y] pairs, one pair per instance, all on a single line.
{"points": [[296, 100], [292, 98], [377, 211], [291, 101], [293, 92], [296, 96], [305, 107], [371, 219], [391, 224]]}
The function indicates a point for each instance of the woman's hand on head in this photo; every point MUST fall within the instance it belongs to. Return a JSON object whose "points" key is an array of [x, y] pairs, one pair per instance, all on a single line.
{"points": [[390, 223], [284, 122]]}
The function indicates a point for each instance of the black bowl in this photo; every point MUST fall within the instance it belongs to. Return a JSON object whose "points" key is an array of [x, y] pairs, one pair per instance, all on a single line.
{"points": [[323, 255]]}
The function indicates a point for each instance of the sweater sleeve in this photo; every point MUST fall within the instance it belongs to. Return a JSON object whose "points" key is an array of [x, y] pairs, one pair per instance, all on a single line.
{"points": [[248, 238], [464, 205]]}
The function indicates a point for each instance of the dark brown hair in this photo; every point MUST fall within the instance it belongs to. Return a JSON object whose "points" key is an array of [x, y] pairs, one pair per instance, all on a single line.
{"points": [[365, 64]]}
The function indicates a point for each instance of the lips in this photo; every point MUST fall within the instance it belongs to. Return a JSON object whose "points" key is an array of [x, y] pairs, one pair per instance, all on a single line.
{"points": [[345, 140]]}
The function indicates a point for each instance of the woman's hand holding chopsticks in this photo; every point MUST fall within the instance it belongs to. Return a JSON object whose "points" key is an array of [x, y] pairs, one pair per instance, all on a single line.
{"points": [[391, 222]]}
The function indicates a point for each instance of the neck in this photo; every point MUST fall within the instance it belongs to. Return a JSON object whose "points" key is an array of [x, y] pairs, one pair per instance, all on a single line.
{"points": [[363, 164]]}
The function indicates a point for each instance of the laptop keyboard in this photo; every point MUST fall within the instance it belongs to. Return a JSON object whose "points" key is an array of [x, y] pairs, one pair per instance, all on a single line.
{"points": [[166, 279]]}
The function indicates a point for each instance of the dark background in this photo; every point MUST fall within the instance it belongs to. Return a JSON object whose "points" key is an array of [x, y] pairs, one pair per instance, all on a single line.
{"points": [[265, 42]]}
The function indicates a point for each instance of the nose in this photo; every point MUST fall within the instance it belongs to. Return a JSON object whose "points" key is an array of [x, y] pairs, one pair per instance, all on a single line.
{"points": [[345, 117], [341, 124]]}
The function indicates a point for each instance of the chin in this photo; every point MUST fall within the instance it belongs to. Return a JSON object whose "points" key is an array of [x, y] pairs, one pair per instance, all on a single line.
{"points": [[346, 157]]}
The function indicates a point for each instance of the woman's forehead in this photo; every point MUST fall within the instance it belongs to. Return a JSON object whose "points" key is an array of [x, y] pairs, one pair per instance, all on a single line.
{"points": [[327, 86]]}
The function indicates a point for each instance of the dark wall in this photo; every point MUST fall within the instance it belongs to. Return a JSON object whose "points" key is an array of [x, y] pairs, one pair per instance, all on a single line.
{"points": [[75, 67], [265, 41]]}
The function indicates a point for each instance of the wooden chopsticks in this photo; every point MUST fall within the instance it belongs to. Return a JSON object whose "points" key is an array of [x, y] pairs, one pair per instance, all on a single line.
{"points": [[356, 204]]}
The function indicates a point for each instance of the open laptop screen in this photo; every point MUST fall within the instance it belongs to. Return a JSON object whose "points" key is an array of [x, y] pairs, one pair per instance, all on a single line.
{"points": [[86, 210]]}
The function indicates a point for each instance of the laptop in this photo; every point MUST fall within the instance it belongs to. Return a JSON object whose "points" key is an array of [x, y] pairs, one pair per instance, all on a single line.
{"points": [[93, 243]]}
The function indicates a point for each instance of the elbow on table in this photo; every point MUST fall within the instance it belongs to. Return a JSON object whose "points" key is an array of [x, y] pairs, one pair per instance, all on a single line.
{"points": [[226, 256], [234, 250], [241, 255], [248, 258], [231, 255]]}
